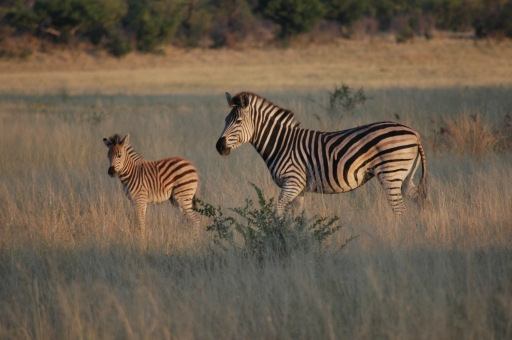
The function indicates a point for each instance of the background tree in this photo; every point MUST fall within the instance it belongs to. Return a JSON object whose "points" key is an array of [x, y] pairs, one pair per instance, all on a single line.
{"points": [[66, 20], [293, 16], [153, 22], [196, 22], [345, 12], [232, 21]]}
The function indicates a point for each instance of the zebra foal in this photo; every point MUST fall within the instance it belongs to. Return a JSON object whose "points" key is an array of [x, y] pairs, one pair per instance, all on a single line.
{"points": [[302, 160], [144, 182]]}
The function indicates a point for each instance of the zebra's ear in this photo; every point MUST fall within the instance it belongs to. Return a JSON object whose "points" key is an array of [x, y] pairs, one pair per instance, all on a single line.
{"points": [[126, 140], [228, 98], [244, 100], [107, 143]]}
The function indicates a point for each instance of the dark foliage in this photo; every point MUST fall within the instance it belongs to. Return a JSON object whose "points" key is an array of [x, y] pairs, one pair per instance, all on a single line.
{"points": [[153, 22], [232, 21], [294, 16], [117, 25], [345, 12], [66, 20]]}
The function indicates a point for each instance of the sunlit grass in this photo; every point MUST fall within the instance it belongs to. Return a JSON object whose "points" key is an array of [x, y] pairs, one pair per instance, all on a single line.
{"points": [[74, 266]]}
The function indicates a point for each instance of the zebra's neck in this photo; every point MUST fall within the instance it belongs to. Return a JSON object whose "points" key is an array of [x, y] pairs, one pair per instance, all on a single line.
{"points": [[272, 124], [131, 161]]}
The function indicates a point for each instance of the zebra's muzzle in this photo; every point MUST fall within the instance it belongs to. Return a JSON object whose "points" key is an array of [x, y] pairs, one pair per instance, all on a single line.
{"points": [[111, 171], [222, 146]]}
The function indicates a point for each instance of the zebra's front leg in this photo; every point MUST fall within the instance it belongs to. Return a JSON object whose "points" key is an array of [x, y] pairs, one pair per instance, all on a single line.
{"points": [[290, 192], [140, 206], [297, 204]]}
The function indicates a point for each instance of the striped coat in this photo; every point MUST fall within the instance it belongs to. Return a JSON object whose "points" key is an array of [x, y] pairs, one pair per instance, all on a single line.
{"points": [[302, 160], [144, 182]]}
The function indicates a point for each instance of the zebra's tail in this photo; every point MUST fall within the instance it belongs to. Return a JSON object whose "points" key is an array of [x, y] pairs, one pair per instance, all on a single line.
{"points": [[422, 187]]}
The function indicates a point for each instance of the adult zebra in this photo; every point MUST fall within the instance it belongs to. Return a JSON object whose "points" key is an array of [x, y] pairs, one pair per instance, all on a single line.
{"points": [[144, 182], [302, 160]]}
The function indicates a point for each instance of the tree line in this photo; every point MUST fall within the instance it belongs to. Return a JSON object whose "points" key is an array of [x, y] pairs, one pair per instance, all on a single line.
{"points": [[120, 26]]}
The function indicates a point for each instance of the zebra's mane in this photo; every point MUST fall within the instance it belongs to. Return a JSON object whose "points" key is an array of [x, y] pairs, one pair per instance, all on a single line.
{"points": [[116, 140], [286, 115]]}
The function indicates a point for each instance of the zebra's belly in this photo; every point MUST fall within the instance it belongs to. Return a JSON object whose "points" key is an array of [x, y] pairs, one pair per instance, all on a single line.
{"points": [[319, 188], [333, 187], [157, 198], [328, 189], [323, 186], [153, 197]]}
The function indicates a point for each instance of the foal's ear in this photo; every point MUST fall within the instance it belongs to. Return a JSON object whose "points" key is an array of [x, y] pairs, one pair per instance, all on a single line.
{"points": [[125, 140], [244, 100], [228, 98], [107, 143]]}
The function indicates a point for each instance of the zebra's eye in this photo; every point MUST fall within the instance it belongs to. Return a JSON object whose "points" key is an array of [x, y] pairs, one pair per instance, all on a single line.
{"points": [[239, 120]]}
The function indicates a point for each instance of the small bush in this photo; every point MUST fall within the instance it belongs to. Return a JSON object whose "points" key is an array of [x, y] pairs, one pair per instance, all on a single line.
{"points": [[263, 233], [342, 100]]}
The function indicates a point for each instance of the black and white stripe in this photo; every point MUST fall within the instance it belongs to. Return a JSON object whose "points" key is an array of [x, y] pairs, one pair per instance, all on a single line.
{"points": [[302, 160], [144, 182]]}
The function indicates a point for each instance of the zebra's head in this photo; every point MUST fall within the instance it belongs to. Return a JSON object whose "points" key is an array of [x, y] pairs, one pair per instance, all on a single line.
{"points": [[239, 127], [116, 152]]}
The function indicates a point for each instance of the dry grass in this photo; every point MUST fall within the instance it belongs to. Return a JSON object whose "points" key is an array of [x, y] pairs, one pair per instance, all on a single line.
{"points": [[375, 63], [73, 267], [467, 133]]}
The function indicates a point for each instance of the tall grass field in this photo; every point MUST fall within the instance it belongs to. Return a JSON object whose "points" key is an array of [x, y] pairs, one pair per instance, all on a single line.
{"points": [[73, 265]]}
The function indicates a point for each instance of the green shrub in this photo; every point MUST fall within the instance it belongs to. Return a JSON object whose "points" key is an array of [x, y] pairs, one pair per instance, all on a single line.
{"points": [[265, 234], [342, 100]]}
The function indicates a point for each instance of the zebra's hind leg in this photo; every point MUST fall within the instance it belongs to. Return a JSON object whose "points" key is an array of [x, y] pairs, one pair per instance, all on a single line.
{"points": [[392, 187], [183, 194], [186, 205]]}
